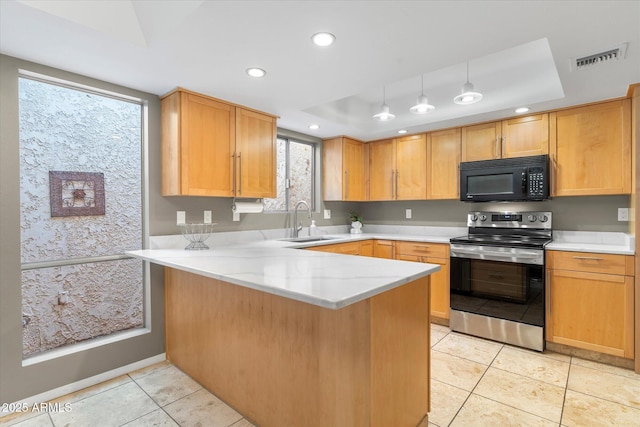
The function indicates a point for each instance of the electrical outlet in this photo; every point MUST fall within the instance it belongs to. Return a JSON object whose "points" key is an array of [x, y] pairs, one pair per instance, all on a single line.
{"points": [[207, 217], [327, 214], [181, 217], [623, 214], [236, 216], [407, 213]]}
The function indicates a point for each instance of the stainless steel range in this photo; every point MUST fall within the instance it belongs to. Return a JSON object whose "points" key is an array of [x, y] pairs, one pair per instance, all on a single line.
{"points": [[497, 277]]}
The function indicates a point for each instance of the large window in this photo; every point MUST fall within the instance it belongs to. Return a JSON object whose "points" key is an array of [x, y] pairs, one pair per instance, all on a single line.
{"points": [[81, 207], [295, 175]]}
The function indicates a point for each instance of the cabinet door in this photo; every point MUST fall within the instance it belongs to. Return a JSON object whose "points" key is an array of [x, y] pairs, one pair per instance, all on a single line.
{"points": [[206, 140], [444, 162], [590, 310], [255, 154], [411, 168], [353, 173], [592, 149], [525, 136], [383, 249], [332, 169], [439, 286], [350, 248], [381, 170], [366, 248], [482, 142]]}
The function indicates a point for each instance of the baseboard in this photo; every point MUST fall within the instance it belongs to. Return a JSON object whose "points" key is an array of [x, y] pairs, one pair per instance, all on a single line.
{"points": [[88, 382]]}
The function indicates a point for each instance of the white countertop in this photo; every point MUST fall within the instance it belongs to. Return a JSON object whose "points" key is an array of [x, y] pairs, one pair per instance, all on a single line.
{"points": [[592, 241], [325, 279], [260, 260]]}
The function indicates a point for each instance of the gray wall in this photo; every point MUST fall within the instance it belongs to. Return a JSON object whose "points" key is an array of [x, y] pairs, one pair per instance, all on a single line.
{"points": [[593, 213]]}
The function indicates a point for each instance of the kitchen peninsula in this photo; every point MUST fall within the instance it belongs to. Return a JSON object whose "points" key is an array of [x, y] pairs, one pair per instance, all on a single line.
{"points": [[295, 337]]}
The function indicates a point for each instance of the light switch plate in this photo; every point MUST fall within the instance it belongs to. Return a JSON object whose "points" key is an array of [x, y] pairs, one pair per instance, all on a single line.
{"points": [[181, 217], [236, 216], [327, 214], [407, 213], [207, 217]]}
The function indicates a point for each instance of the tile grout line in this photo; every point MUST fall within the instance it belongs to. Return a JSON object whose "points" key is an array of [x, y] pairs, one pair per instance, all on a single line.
{"points": [[599, 397], [153, 400]]}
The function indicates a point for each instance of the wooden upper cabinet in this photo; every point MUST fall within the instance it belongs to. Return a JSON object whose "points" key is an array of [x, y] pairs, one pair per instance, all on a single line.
{"points": [[343, 169], [525, 136], [213, 148], [591, 149], [482, 142], [444, 160], [517, 137], [398, 169], [411, 167], [255, 154], [198, 140], [382, 170]]}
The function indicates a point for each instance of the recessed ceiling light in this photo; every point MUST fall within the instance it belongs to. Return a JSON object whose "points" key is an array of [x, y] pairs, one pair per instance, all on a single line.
{"points": [[314, 127], [402, 131], [522, 110], [323, 39], [256, 72]]}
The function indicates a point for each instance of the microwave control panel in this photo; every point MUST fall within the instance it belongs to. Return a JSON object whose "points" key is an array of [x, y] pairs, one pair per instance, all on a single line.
{"points": [[536, 181]]}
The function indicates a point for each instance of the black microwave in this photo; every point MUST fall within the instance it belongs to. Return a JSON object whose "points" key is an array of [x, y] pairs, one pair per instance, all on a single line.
{"points": [[515, 179]]}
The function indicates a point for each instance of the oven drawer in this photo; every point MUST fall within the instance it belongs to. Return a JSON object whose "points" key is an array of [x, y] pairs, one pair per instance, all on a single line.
{"points": [[436, 250], [591, 262]]}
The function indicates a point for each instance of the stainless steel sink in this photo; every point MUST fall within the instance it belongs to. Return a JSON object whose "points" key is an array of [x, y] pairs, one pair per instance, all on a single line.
{"points": [[308, 239]]}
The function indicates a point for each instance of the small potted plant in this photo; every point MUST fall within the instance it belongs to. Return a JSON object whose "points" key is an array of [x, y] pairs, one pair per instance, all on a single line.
{"points": [[356, 222]]}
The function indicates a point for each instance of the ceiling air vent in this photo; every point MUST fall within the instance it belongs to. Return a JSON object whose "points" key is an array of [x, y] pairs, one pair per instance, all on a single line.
{"points": [[610, 55]]}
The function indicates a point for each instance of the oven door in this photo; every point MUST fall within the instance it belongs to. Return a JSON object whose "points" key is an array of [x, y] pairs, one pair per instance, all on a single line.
{"points": [[498, 282]]}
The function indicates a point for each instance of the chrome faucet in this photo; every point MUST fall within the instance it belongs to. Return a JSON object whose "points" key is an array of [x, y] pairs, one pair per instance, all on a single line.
{"points": [[297, 227]]}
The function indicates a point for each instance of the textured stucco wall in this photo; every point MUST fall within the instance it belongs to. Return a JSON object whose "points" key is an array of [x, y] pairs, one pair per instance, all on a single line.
{"points": [[62, 129]]}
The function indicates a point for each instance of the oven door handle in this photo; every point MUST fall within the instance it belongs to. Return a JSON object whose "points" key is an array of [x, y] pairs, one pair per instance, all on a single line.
{"points": [[497, 256]]}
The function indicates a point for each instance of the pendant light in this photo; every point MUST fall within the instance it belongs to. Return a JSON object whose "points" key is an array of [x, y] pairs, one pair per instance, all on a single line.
{"points": [[384, 115], [467, 95], [422, 105]]}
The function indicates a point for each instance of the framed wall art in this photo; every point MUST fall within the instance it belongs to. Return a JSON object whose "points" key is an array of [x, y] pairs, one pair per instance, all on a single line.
{"points": [[76, 193]]}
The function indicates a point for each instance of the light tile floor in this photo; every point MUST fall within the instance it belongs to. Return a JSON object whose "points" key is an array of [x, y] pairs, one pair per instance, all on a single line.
{"points": [[475, 382]]}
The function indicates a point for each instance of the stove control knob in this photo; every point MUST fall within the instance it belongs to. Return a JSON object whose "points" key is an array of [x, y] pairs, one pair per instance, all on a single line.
{"points": [[473, 217], [544, 218], [483, 218], [532, 218]]}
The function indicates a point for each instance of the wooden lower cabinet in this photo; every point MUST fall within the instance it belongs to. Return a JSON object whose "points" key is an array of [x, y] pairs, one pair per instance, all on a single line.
{"points": [[349, 248], [281, 362], [431, 253], [366, 248], [384, 249], [588, 308]]}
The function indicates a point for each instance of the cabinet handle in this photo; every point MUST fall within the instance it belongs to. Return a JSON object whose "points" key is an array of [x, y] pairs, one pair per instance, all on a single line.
{"points": [[393, 173], [233, 156], [504, 141], [553, 175], [590, 258], [397, 174], [496, 155], [346, 184], [548, 286], [240, 161], [458, 180]]}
